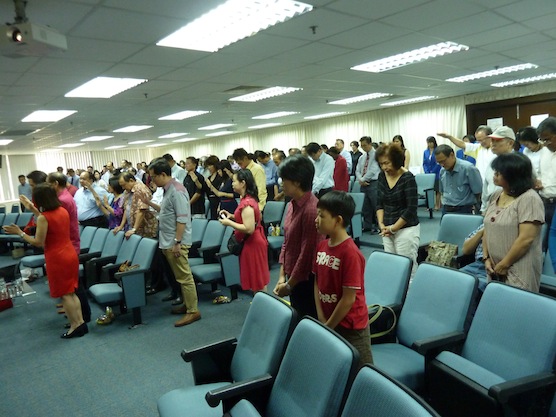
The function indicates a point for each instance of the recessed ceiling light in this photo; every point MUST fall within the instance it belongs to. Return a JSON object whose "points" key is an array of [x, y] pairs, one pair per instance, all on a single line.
{"points": [[408, 100], [264, 125], [357, 99], [231, 22], [104, 87], [95, 138], [411, 57], [48, 115], [525, 80], [132, 128], [138, 142], [325, 115], [115, 147], [172, 135], [184, 140], [492, 73], [264, 94], [183, 115], [216, 126], [275, 115], [4, 142], [70, 145], [221, 133], [154, 145]]}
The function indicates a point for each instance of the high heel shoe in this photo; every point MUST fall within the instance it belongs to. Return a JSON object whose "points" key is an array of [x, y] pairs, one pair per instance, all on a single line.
{"points": [[79, 331], [106, 318]]}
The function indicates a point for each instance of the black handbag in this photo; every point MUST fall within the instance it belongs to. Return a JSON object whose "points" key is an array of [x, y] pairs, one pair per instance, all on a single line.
{"points": [[234, 246]]}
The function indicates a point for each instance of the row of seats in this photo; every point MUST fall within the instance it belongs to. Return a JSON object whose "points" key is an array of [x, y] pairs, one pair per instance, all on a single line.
{"points": [[15, 209], [279, 369]]}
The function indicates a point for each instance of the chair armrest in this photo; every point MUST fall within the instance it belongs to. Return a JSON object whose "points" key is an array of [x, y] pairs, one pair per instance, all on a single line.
{"points": [[209, 249], [506, 390], [122, 275], [84, 257], [441, 342], [103, 260], [189, 355], [238, 389], [110, 267], [221, 255]]}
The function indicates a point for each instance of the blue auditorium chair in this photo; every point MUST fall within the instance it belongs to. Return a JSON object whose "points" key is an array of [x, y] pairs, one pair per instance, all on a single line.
{"points": [[212, 239]]}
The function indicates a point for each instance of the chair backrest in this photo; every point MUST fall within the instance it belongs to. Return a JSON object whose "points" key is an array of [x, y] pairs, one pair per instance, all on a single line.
{"points": [[15, 208], [198, 227], [112, 243], [438, 302], [317, 368], [207, 209], [97, 244], [2, 209], [356, 187], [513, 332], [225, 237], [10, 218], [454, 228], [145, 252], [24, 218], [213, 234], [262, 342], [386, 278], [2, 216], [272, 213], [86, 237], [128, 248], [374, 393], [424, 182]]}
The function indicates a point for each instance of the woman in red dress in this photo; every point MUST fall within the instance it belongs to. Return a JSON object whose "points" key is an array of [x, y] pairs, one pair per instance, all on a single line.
{"points": [[246, 220], [62, 264]]}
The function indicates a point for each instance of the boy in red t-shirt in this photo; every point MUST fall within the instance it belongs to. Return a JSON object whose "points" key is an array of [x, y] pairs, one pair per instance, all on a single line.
{"points": [[339, 274]]}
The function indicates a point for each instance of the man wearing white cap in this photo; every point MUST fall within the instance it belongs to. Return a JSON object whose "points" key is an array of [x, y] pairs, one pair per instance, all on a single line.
{"points": [[502, 141]]}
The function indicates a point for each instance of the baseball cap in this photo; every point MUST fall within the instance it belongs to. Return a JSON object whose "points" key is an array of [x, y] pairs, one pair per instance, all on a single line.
{"points": [[502, 132]]}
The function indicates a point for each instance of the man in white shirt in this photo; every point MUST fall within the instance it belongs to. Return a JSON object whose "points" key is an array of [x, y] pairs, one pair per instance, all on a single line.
{"points": [[177, 172], [366, 174], [323, 181], [546, 183], [481, 148], [345, 153]]}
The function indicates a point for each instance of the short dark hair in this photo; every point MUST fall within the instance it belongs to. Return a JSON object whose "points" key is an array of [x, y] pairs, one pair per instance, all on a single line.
{"points": [[366, 139], [38, 177], [527, 134], [21, 176], [341, 140], [432, 139], [338, 203], [114, 182], [128, 176], [58, 177], [393, 152], [298, 168], [487, 130], [89, 175], [517, 170], [312, 148], [45, 197], [472, 138], [240, 153], [333, 151], [212, 160], [193, 160], [547, 124], [223, 165], [168, 157], [159, 166], [443, 149], [354, 143], [250, 185]]}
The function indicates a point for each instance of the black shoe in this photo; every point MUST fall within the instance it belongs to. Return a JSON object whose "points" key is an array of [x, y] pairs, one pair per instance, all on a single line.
{"points": [[171, 296], [79, 331], [177, 301], [151, 291]]}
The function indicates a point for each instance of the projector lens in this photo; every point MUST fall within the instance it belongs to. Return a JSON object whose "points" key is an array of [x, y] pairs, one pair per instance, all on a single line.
{"points": [[17, 36]]}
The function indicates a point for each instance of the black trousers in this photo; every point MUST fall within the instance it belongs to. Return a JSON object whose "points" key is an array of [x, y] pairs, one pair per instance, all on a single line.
{"points": [[302, 298], [100, 221]]}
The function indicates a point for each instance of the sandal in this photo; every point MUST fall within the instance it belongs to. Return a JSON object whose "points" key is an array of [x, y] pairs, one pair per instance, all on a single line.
{"points": [[221, 299], [106, 318]]}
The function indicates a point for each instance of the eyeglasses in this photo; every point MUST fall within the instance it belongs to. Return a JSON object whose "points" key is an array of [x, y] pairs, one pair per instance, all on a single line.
{"points": [[545, 141]]}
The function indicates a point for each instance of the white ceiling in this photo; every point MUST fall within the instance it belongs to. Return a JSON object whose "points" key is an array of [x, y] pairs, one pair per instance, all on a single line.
{"points": [[117, 38]]}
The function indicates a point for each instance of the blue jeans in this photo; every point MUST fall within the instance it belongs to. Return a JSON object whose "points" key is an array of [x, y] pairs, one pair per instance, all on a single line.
{"points": [[478, 270]]}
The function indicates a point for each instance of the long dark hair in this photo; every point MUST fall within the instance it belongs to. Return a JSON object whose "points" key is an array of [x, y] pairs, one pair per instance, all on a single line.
{"points": [[223, 165], [517, 170], [45, 197], [250, 185]]}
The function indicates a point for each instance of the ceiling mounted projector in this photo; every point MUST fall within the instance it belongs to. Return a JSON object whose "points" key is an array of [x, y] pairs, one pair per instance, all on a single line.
{"points": [[29, 39]]}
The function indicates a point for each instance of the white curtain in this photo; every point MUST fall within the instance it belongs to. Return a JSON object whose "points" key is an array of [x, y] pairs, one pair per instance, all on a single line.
{"points": [[12, 167]]}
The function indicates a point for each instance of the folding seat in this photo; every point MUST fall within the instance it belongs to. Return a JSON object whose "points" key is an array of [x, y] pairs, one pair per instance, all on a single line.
{"points": [[86, 238], [425, 191], [275, 242], [91, 264], [356, 226], [506, 365], [210, 244], [434, 314], [313, 379], [272, 213], [256, 353], [198, 227]]}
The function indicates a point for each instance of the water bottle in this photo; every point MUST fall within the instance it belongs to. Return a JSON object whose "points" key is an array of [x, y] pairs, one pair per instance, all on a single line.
{"points": [[277, 230], [271, 230], [3, 289]]}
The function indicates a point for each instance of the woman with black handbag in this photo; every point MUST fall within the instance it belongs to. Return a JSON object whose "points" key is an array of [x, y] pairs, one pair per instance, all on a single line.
{"points": [[246, 220]]}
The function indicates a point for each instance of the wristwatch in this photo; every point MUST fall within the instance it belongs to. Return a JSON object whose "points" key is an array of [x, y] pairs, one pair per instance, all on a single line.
{"points": [[177, 241]]}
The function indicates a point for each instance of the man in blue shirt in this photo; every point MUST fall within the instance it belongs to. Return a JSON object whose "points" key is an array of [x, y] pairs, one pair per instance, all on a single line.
{"points": [[460, 182], [366, 174], [323, 180], [88, 212], [271, 173], [24, 189]]}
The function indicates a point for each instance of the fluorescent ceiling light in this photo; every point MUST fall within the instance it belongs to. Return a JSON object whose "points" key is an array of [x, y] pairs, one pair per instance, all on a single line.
{"points": [[492, 73], [138, 142], [104, 87], [172, 135], [408, 101], [525, 80], [266, 93], [184, 140], [95, 138], [231, 22], [48, 115], [275, 115], [154, 145], [70, 145], [357, 99], [115, 147], [132, 129], [325, 115], [411, 57], [4, 142], [216, 126], [184, 115], [221, 133], [264, 125]]}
